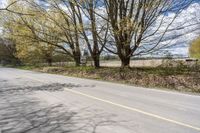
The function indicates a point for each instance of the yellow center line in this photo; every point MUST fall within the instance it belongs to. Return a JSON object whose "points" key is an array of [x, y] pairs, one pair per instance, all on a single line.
{"points": [[134, 109]]}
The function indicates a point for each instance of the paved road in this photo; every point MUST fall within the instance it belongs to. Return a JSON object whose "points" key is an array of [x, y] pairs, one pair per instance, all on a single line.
{"points": [[32, 102]]}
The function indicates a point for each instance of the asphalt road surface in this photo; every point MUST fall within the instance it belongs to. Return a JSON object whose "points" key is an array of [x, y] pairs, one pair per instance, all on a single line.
{"points": [[32, 102]]}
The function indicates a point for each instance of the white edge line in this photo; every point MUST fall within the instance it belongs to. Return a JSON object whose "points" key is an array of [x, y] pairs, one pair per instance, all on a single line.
{"points": [[135, 110], [128, 108]]}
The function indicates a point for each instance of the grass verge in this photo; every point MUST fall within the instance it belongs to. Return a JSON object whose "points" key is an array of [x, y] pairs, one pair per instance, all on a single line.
{"points": [[178, 78]]}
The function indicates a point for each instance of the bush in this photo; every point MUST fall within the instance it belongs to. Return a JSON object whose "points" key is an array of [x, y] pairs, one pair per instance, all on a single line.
{"points": [[195, 48]]}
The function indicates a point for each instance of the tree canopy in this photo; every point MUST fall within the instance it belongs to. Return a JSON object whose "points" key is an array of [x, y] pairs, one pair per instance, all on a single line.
{"points": [[124, 28]]}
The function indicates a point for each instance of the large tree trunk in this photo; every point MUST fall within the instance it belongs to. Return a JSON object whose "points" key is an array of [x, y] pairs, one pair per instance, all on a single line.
{"points": [[48, 58], [77, 60], [49, 61], [96, 60], [124, 51], [125, 62]]}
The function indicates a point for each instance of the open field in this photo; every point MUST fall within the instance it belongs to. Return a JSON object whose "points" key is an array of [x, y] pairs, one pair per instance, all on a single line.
{"points": [[137, 63]]}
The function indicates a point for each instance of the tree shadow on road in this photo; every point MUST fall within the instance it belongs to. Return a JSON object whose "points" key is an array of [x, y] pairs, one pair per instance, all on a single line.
{"points": [[44, 87], [20, 113]]}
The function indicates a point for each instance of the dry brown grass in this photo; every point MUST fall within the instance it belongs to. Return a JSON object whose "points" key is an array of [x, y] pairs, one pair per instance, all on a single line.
{"points": [[177, 78]]}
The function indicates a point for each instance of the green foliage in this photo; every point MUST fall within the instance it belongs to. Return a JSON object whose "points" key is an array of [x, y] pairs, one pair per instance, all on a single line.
{"points": [[28, 48], [195, 48], [8, 52]]}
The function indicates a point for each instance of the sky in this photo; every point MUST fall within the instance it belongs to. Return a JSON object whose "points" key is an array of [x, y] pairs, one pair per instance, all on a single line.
{"points": [[2, 2], [182, 43]]}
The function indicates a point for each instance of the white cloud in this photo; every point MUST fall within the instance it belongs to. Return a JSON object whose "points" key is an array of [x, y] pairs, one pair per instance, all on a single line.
{"points": [[3, 3], [185, 29]]}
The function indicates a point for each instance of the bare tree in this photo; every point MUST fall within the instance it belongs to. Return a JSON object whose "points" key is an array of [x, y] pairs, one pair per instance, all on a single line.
{"points": [[95, 30], [66, 26], [131, 24], [89, 32], [53, 27]]}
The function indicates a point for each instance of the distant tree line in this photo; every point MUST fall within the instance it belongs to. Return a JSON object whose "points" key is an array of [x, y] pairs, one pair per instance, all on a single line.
{"points": [[7, 52]]}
